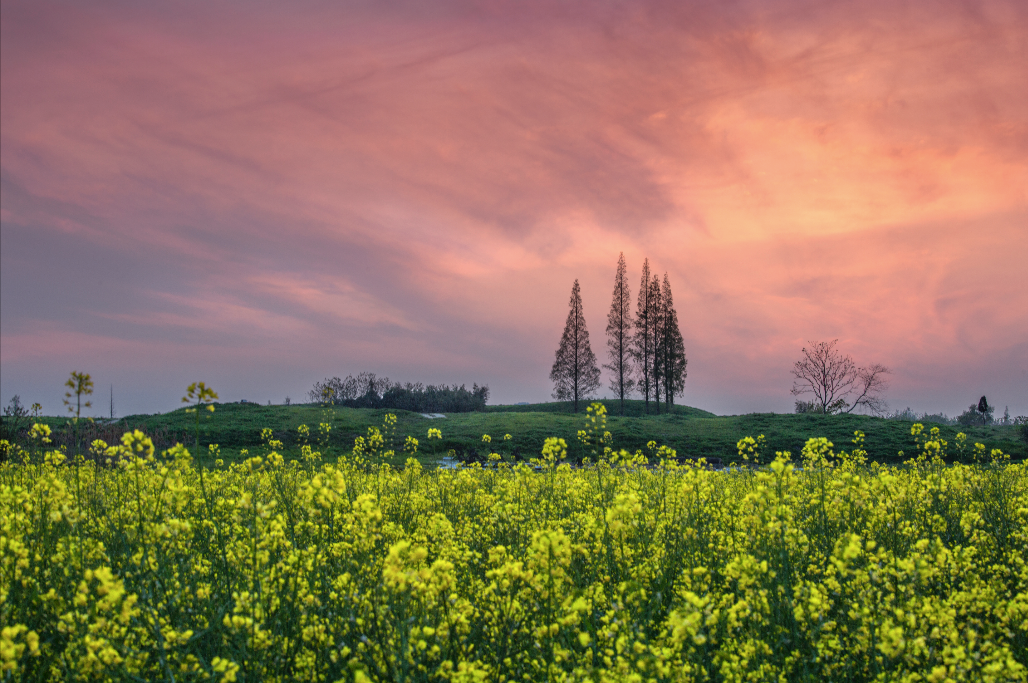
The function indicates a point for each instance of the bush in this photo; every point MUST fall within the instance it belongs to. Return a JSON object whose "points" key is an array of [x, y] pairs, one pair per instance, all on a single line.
{"points": [[366, 390], [803, 407], [833, 408], [973, 416], [911, 416], [15, 420], [436, 399], [1022, 424]]}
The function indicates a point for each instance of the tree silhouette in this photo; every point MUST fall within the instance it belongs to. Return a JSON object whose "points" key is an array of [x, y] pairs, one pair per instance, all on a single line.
{"points": [[985, 410], [574, 374], [619, 336], [831, 377], [656, 325], [642, 338], [670, 348]]}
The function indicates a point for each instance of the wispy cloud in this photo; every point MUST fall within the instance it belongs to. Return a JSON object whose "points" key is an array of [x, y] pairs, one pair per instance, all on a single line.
{"points": [[412, 189]]}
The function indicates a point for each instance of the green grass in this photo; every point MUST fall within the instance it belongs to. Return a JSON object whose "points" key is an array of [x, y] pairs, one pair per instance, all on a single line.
{"points": [[632, 408], [691, 432]]}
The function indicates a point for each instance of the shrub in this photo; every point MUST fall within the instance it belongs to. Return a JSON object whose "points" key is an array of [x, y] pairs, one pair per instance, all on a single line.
{"points": [[1022, 424], [14, 420], [803, 407], [366, 390], [911, 416], [974, 415]]}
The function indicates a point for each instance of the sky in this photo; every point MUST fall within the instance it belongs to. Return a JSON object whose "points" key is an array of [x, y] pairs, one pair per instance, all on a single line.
{"points": [[261, 195]]}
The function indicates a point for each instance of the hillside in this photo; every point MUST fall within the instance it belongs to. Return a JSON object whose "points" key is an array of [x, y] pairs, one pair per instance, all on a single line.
{"points": [[691, 432]]}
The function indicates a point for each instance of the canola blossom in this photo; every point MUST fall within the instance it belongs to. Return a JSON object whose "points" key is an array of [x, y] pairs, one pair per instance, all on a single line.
{"points": [[829, 568]]}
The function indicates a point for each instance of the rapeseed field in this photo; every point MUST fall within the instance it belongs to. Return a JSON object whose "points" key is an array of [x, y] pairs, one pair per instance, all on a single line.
{"points": [[133, 565]]}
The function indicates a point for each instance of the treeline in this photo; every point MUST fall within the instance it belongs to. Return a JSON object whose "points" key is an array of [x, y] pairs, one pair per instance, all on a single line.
{"points": [[367, 390], [977, 414], [645, 349]]}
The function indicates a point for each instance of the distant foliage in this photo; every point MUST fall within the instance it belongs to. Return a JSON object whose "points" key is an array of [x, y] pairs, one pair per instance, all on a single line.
{"points": [[803, 407], [436, 399], [1022, 423], [977, 414], [367, 390], [15, 419], [912, 416], [835, 407], [350, 390]]}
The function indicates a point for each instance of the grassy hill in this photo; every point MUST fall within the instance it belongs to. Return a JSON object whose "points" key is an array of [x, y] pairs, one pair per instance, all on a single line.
{"points": [[632, 408], [691, 432]]}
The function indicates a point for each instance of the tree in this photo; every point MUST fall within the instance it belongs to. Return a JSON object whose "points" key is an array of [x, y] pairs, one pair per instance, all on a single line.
{"points": [[15, 419], [574, 374], [870, 384], [642, 339], [977, 414], [832, 377], [671, 348], [657, 324], [619, 336]]}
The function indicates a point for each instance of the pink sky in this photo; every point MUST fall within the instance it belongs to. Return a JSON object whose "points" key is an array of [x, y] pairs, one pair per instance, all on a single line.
{"points": [[261, 197]]}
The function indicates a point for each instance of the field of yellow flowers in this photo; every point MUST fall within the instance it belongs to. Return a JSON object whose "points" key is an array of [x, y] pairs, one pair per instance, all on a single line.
{"points": [[629, 568]]}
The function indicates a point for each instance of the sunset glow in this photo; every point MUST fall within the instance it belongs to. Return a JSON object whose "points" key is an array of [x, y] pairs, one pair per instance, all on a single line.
{"points": [[263, 196]]}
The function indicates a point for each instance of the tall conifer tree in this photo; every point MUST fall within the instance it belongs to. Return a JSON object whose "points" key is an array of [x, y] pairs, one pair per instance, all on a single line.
{"points": [[672, 352], [574, 373], [619, 336], [642, 339], [657, 326]]}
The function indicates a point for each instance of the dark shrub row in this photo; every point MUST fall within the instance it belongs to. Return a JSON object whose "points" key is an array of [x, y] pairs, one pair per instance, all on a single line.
{"points": [[368, 391]]}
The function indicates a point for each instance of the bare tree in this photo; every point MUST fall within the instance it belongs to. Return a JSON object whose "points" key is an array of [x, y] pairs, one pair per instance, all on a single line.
{"points": [[832, 377], [871, 383], [619, 333], [365, 385], [574, 373]]}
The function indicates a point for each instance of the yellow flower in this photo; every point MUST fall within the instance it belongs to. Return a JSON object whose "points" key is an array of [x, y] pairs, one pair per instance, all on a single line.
{"points": [[366, 568], [40, 433]]}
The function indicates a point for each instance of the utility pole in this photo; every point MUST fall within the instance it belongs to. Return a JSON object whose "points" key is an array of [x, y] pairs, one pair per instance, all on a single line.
{"points": [[112, 402]]}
